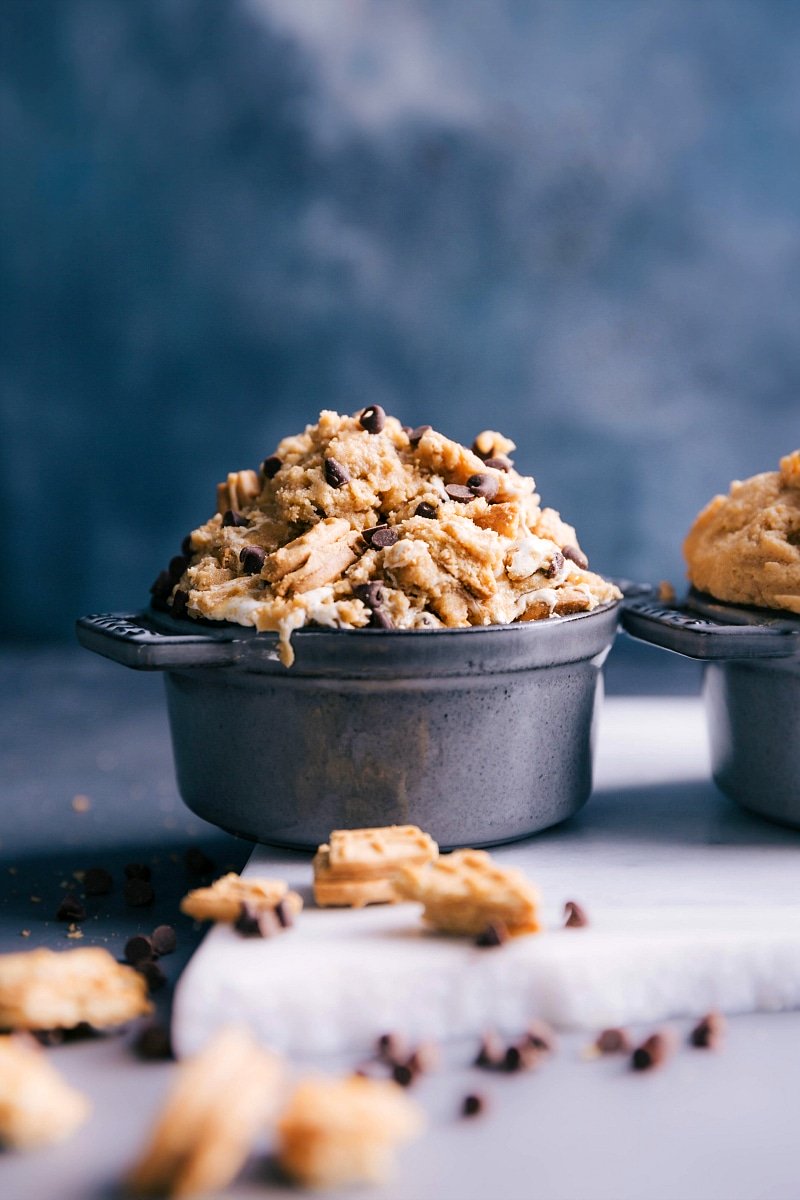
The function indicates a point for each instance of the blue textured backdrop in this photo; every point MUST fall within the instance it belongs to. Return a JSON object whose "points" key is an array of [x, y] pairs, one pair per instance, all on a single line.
{"points": [[576, 221]]}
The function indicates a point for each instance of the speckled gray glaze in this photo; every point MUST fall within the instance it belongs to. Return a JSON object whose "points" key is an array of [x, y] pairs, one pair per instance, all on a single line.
{"points": [[477, 735], [751, 690]]}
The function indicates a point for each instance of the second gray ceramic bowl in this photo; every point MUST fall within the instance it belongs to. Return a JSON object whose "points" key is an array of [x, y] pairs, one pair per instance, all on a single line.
{"points": [[751, 691], [479, 735]]}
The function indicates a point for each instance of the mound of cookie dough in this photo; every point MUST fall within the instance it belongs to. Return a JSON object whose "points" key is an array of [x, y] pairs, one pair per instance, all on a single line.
{"points": [[745, 547], [361, 521]]}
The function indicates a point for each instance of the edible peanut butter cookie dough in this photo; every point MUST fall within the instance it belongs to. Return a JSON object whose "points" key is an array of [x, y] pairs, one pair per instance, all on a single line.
{"points": [[745, 547], [361, 521]]}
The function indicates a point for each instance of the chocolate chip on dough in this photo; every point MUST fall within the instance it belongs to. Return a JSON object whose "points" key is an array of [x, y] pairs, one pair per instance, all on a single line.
{"points": [[271, 466], [415, 436], [426, 510], [575, 555], [372, 419], [252, 559], [234, 520], [457, 491], [380, 537], [500, 462], [335, 474], [483, 485]]}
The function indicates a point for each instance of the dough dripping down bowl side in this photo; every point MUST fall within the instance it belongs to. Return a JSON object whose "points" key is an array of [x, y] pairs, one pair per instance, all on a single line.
{"points": [[479, 736]]}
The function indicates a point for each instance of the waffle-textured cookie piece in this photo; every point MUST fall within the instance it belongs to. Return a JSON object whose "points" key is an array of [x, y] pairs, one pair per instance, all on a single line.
{"points": [[37, 1106], [745, 547], [45, 989], [224, 899], [219, 1102], [464, 892], [341, 1131], [357, 866]]}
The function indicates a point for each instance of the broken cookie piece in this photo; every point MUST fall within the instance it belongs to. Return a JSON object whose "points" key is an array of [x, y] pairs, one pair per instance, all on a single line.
{"points": [[357, 866], [219, 1102], [37, 1107], [341, 1131], [466, 891], [224, 899], [42, 989]]}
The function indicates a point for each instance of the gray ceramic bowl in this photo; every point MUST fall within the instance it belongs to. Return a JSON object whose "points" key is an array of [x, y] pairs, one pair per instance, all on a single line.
{"points": [[479, 735], [751, 690]]}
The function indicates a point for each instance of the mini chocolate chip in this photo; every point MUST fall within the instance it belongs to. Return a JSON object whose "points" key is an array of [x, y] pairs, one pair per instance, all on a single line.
{"points": [[653, 1052], [495, 934], [540, 1035], [457, 491], [179, 603], [613, 1041], [271, 466], [402, 1074], [373, 419], [153, 1043], [380, 537], [97, 882], [187, 549], [520, 1058], [152, 972], [164, 939], [138, 948], [380, 619], [198, 863], [499, 463], [391, 1047], [483, 485], [424, 1058], [335, 474], [425, 510], [575, 555], [415, 436], [708, 1033], [256, 922], [284, 914], [575, 916], [70, 909], [492, 1051], [252, 559], [472, 1105], [138, 893], [137, 871], [372, 594], [234, 520], [555, 566]]}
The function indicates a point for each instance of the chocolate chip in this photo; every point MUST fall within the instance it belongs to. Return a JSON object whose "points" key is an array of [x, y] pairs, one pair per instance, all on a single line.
{"points": [[402, 1074], [137, 871], [380, 619], [483, 485], [425, 510], [520, 1058], [138, 893], [391, 1047], [540, 1035], [424, 1058], [284, 914], [97, 882], [179, 603], [256, 922], [153, 1043], [574, 916], [575, 555], [492, 1051], [198, 863], [495, 934], [335, 474], [380, 537], [708, 1033], [234, 519], [457, 491], [613, 1041], [153, 974], [373, 419], [555, 566], [653, 1052], [70, 909], [138, 948], [472, 1105], [500, 462], [271, 466], [187, 549], [373, 595], [415, 436], [164, 939], [252, 559]]}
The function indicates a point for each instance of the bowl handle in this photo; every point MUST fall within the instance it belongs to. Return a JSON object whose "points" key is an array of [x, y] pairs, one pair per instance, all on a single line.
{"points": [[694, 636], [130, 639]]}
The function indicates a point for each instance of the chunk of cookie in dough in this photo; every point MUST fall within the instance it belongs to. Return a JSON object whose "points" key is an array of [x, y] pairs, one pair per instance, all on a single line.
{"points": [[745, 547], [359, 521]]}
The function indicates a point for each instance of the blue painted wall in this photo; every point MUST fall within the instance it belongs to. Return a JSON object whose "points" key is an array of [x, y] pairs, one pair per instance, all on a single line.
{"points": [[575, 220]]}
